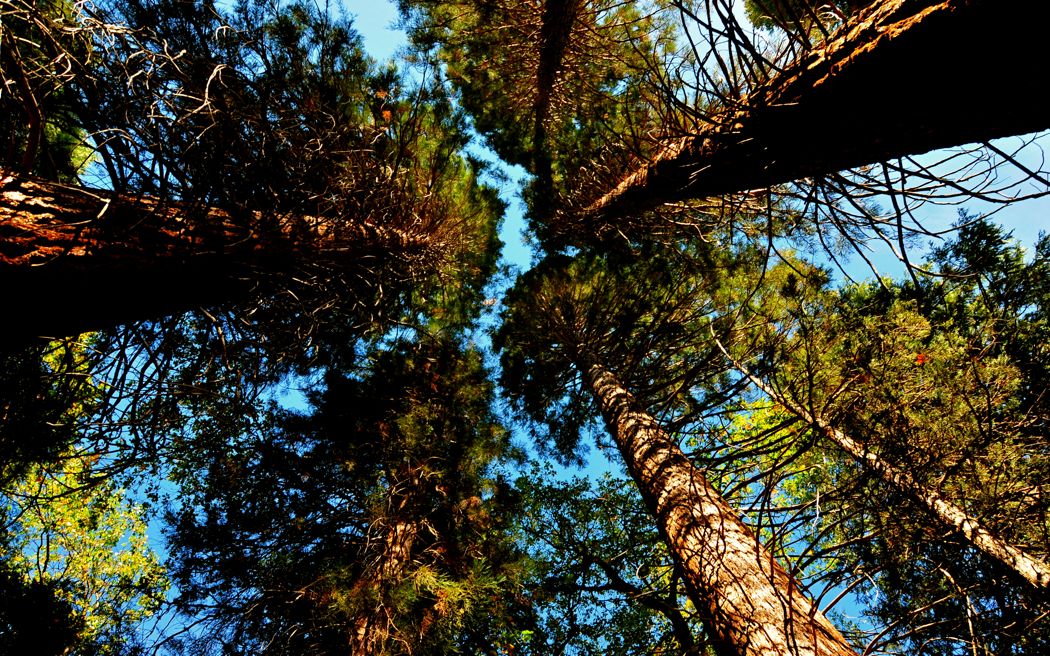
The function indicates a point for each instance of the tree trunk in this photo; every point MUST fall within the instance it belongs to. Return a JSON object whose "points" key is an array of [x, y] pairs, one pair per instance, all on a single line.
{"points": [[372, 627], [749, 603], [74, 259], [559, 17], [1028, 567], [908, 77]]}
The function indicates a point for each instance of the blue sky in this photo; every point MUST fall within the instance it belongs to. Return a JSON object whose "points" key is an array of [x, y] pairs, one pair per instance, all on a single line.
{"points": [[375, 20]]}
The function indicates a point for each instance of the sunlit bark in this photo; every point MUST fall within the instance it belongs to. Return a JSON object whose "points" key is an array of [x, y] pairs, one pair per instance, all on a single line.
{"points": [[75, 259], [749, 603], [908, 77]]}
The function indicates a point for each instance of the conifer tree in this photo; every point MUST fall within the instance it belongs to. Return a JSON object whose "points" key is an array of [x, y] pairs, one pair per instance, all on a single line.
{"points": [[592, 313]]}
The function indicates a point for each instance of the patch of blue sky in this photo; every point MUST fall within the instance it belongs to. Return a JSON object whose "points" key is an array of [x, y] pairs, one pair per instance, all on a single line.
{"points": [[1014, 195], [377, 23]]}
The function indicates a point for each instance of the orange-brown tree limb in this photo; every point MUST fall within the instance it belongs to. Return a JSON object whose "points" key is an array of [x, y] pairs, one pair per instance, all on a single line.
{"points": [[74, 259]]}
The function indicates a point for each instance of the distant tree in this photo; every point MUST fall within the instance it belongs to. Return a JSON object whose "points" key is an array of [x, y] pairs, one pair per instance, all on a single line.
{"points": [[371, 524], [925, 387], [555, 86], [260, 167]]}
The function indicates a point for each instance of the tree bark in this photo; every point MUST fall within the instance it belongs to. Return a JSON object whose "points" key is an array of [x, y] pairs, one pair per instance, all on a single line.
{"points": [[751, 605], [74, 259], [1028, 567], [908, 77], [372, 627]]}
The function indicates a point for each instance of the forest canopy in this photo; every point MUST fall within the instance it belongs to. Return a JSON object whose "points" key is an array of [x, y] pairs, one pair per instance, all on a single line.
{"points": [[771, 379]]}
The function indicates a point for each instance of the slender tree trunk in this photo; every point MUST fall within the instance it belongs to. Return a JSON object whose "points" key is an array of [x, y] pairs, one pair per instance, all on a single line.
{"points": [[750, 604], [75, 259], [1028, 567], [908, 77]]}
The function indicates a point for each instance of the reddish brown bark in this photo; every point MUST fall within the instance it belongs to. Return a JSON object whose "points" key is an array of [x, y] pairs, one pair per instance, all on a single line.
{"points": [[750, 604], [910, 76], [75, 259]]}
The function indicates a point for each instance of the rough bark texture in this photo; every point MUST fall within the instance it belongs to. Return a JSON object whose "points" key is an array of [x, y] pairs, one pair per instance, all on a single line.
{"points": [[1028, 567], [372, 627], [750, 604], [908, 77], [75, 259]]}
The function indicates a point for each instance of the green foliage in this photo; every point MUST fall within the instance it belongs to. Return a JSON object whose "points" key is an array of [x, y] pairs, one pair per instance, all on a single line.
{"points": [[650, 314], [936, 380], [44, 392], [43, 47], [602, 580], [555, 87], [374, 510], [85, 537], [69, 529], [373, 520]]}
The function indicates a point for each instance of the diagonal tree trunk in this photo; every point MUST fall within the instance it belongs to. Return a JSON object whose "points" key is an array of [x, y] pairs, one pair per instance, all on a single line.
{"points": [[1028, 567], [559, 17], [908, 77], [749, 603], [75, 259]]}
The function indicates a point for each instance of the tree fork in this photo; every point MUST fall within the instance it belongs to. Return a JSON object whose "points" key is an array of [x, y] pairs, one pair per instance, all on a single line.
{"points": [[74, 259], [891, 85], [751, 604]]}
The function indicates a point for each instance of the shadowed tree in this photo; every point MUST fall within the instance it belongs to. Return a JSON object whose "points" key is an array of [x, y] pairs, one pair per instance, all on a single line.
{"points": [[556, 87], [33, 617], [367, 525]]}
